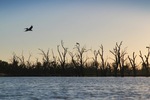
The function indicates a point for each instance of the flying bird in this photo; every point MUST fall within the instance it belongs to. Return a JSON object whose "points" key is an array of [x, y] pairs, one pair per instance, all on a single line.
{"points": [[28, 29]]}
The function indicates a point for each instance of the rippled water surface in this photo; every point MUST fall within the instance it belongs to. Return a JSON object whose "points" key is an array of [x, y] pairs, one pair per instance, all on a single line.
{"points": [[74, 88]]}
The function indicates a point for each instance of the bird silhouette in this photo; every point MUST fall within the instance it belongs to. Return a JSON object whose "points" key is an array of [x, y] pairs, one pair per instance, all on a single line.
{"points": [[28, 29], [77, 43]]}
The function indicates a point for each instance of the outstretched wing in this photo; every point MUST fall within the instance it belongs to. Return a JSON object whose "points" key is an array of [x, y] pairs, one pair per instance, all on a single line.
{"points": [[31, 27], [26, 29]]}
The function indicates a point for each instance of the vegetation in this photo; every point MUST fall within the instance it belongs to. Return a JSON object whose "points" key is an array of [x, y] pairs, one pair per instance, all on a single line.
{"points": [[78, 65]]}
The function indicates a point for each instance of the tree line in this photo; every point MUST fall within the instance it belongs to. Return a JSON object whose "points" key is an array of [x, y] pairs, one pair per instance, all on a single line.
{"points": [[122, 65]]}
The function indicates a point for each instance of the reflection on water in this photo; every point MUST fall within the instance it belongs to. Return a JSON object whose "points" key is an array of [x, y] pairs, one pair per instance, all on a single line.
{"points": [[74, 88]]}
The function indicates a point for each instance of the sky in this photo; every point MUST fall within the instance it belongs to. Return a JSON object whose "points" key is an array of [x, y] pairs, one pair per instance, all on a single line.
{"points": [[89, 22]]}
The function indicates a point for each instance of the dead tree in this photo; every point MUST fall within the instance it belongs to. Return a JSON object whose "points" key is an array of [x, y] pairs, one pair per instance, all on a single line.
{"points": [[14, 60], [145, 63], [103, 62], [22, 61], [14, 66], [75, 63], [133, 64], [73, 59], [95, 63], [54, 62], [119, 59], [123, 59], [80, 58], [29, 62], [62, 57], [46, 60]]}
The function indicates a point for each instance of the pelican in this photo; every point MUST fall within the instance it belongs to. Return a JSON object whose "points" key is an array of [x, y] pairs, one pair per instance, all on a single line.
{"points": [[28, 29]]}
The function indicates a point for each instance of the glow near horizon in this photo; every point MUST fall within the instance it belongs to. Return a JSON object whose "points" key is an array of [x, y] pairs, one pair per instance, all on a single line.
{"points": [[90, 23]]}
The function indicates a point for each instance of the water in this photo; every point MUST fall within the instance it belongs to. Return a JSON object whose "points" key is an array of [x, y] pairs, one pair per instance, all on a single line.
{"points": [[74, 88]]}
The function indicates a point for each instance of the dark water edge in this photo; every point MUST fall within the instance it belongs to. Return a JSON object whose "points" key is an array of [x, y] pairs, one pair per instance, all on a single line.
{"points": [[55, 75], [65, 76]]}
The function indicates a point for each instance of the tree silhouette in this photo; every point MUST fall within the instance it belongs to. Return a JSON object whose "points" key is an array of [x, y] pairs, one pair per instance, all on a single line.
{"points": [[4, 66], [80, 58], [75, 63], [133, 64], [28, 61], [14, 65], [62, 57], [119, 59], [79, 65], [22, 60], [103, 62], [46, 61], [54, 61], [145, 63], [95, 63]]}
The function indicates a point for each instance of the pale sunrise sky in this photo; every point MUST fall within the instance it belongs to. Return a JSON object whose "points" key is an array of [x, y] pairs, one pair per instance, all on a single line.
{"points": [[89, 22]]}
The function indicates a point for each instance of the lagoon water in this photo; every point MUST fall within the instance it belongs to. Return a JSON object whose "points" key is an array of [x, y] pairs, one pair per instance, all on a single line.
{"points": [[74, 88]]}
